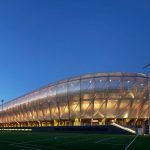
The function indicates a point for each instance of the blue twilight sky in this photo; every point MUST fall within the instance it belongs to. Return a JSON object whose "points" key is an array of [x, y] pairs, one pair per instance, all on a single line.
{"points": [[42, 41]]}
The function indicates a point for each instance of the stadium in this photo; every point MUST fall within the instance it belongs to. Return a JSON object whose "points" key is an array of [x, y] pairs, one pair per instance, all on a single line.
{"points": [[86, 100]]}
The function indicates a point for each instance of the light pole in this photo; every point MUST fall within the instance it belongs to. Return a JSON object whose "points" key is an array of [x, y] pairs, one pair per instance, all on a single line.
{"points": [[148, 66]]}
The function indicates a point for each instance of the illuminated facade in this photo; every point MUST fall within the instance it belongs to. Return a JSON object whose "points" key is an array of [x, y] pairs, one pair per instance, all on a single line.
{"points": [[92, 99]]}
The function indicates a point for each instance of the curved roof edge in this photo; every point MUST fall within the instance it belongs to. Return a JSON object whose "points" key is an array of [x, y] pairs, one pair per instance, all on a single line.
{"points": [[84, 76]]}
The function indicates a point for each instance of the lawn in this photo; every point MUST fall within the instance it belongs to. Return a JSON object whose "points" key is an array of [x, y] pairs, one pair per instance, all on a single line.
{"points": [[70, 141]]}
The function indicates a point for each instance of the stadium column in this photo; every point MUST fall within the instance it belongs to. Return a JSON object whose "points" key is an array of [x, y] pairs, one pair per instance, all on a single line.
{"points": [[50, 112], [93, 100], [70, 123], [106, 99], [80, 121], [148, 75], [149, 102], [2, 111], [58, 106]]}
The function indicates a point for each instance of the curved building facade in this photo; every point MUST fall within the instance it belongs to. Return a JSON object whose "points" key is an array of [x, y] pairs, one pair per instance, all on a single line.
{"points": [[92, 99]]}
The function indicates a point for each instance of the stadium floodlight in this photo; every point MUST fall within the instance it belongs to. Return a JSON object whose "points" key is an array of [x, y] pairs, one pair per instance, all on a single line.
{"points": [[148, 66]]}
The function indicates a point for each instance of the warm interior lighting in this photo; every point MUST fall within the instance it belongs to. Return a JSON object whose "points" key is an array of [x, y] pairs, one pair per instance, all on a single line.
{"points": [[132, 95], [125, 115], [85, 105]]}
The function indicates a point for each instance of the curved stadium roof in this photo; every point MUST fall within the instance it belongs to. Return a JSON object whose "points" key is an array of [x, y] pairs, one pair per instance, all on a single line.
{"points": [[85, 76]]}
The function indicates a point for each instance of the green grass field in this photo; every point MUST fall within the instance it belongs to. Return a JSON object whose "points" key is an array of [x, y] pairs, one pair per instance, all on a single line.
{"points": [[70, 141]]}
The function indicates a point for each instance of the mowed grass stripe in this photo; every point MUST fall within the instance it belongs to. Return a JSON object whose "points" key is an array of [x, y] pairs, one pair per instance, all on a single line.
{"points": [[80, 139], [46, 141], [82, 143], [69, 141], [87, 143], [59, 142]]}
